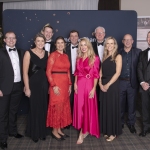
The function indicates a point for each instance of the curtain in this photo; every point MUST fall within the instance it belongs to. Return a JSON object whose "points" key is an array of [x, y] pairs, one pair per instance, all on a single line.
{"points": [[54, 5]]}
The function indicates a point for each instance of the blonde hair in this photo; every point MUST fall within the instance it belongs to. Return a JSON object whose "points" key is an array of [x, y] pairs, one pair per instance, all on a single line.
{"points": [[115, 50], [90, 52]]}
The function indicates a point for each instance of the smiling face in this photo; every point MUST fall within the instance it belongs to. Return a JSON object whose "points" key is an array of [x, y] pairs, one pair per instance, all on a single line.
{"points": [[110, 45], [99, 34], [74, 38], [83, 47], [60, 45], [39, 42], [48, 33], [10, 39], [127, 41]]}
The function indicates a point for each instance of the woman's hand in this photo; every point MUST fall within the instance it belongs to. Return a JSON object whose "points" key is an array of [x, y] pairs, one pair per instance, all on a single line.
{"points": [[56, 90], [102, 87], [1, 93], [91, 94], [106, 86], [69, 89], [75, 88], [27, 92]]}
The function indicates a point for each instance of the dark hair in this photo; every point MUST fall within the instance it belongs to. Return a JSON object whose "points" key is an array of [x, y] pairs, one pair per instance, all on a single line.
{"points": [[73, 31], [60, 37], [9, 33], [39, 35], [47, 26]]}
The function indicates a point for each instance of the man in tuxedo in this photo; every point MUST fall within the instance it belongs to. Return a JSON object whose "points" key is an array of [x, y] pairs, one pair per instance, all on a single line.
{"points": [[71, 50], [47, 31], [98, 46], [129, 81], [144, 79], [11, 88]]}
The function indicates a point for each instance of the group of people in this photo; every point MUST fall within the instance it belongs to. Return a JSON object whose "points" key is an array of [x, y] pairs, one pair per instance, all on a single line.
{"points": [[88, 85]]}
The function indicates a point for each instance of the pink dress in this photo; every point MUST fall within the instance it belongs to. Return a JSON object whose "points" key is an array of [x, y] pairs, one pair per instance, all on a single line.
{"points": [[85, 112]]}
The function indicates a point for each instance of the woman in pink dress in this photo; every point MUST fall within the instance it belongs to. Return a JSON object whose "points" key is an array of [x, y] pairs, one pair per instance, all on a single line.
{"points": [[85, 114]]}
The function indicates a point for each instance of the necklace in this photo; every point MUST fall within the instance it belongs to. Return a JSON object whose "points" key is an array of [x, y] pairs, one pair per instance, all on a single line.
{"points": [[39, 54]]}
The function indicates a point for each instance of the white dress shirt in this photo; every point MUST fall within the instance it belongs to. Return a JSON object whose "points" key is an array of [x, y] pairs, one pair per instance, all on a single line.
{"points": [[47, 46], [148, 55], [73, 57], [100, 49], [14, 57]]}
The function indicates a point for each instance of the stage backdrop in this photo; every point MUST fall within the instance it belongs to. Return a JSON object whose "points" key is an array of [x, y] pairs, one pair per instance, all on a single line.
{"points": [[26, 23]]}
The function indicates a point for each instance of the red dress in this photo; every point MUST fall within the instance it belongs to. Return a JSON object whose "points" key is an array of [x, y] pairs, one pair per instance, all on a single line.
{"points": [[59, 112]]}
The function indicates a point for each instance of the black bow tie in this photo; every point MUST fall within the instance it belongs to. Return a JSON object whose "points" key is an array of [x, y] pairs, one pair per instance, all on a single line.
{"points": [[100, 43], [48, 42], [12, 49], [74, 47], [148, 48]]}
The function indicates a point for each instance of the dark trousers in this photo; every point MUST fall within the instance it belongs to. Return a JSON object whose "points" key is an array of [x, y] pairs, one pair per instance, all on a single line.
{"points": [[8, 112], [127, 94], [145, 95], [72, 93]]}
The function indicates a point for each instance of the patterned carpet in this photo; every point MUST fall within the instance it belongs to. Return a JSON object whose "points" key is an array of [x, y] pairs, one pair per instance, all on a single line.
{"points": [[126, 141]]}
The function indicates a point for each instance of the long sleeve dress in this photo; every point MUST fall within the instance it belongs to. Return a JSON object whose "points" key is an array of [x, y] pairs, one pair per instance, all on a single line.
{"points": [[85, 114], [58, 74]]}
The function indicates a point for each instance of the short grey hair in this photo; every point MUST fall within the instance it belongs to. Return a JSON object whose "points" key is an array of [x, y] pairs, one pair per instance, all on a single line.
{"points": [[100, 28]]}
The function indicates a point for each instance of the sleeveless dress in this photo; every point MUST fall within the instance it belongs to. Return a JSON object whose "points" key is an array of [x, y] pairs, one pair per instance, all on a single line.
{"points": [[85, 111], [109, 101], [36, 123], [58, 74]]}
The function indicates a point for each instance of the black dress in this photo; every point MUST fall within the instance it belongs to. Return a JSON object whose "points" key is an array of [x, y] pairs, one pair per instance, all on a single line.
{"points": [[109, 101], [36, 124]]}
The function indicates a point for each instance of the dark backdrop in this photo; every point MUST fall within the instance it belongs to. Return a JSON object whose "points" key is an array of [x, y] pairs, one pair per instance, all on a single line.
{"points": [[26, 23]]}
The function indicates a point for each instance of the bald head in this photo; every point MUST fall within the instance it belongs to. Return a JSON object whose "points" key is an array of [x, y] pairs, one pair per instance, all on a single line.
{"points": [[127, 41]]}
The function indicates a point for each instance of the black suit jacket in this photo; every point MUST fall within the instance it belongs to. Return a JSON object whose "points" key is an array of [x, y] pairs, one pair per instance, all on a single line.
{"points": [[6, 70], [143, 68], [134, 62], [94, 44], [52, 48], [68, 52]]}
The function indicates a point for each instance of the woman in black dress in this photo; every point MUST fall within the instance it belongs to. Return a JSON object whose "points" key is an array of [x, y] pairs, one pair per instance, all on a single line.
{"points": [[109, 85], [36, 88]]}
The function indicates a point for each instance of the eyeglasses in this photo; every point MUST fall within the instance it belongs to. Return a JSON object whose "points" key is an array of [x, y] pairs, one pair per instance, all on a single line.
{"points": [[99, 33]]}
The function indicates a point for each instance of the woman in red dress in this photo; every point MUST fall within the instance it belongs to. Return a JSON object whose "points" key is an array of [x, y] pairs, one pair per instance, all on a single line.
{"points": [[59, 112]]}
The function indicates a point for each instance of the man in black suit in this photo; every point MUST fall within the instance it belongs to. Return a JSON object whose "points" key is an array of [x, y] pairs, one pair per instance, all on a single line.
{"points": [[11, 88], [144, 79], [71, 50], [98, 46], [129, 81], [47, 31]]}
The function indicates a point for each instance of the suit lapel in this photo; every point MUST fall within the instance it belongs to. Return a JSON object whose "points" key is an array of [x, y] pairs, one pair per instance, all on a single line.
{"points": [[7, 55]]}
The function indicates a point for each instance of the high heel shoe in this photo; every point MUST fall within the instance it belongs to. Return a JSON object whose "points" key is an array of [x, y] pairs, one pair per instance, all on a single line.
{"points": [[106, 136], [58, 139], [111, 138], [85, 135], [64, 136], [80, 139]]}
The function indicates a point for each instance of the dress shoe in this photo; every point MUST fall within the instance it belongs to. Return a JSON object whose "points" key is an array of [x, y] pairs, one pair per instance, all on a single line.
{"points": [[43, 139], [3, 145], [143, 133], [132, 128], [35, 141], [64, 136], [58, 139], [16, 135], [122, 126]]}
